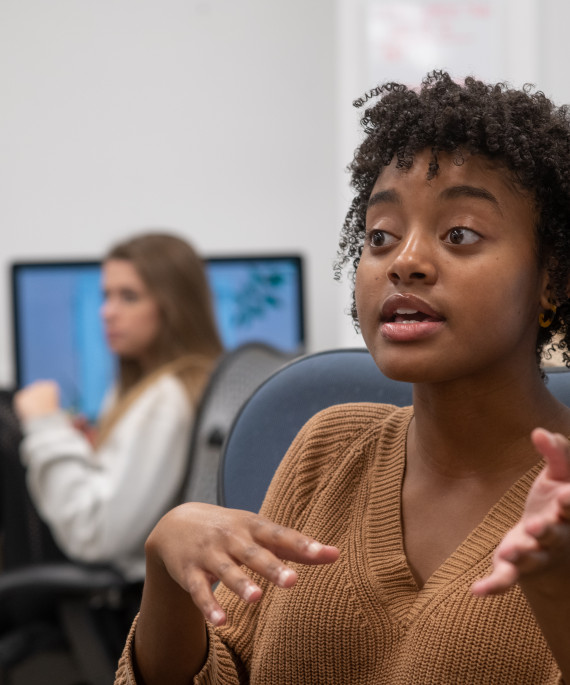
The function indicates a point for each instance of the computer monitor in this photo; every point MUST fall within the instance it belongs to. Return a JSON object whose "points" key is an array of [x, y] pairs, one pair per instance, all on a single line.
{"points": [[58, 332], [258, 299]]}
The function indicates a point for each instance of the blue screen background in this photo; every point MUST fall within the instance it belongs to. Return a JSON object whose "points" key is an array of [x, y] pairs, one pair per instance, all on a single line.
{"points": [[257, 300], [59, 332]]}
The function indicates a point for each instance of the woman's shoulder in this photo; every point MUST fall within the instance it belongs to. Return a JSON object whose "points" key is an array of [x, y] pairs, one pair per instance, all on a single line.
{"points": [[165, 399], [167, 386], [339, 440], [342, 429], [354, 417]]}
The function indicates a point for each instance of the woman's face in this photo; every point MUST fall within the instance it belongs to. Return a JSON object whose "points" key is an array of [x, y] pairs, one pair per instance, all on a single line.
{"points": [[131, 315], [448, 284]]}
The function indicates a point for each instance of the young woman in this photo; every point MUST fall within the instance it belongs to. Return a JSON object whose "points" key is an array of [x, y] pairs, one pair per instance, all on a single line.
{"points": [[102, 501], [427, 544]]}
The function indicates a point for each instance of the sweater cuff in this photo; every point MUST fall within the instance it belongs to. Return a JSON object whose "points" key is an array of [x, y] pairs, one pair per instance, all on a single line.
{"points": [[51, 436], [220, 666], [55, 419], [125, 674]]}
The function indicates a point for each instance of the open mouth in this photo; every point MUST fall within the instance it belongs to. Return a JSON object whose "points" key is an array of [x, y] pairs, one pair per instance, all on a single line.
{"points": [[406, 315]]}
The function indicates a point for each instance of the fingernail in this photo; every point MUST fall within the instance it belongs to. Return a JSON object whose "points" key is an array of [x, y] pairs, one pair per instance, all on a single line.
{"points": [[216, 616], [314, 548], [284, 576], [248, 592]]}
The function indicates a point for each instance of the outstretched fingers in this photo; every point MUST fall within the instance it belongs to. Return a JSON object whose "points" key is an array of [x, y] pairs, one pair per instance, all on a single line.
{"points": [[263, 549], [503, 576], [555, 449], [199, 587], [289, 544], [541, 539], [550, 534], [228, 545], [223, 567], [199, 544]]}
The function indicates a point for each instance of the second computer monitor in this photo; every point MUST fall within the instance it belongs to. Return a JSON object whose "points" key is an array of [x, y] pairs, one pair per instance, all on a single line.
{"points": [[58, 333]]}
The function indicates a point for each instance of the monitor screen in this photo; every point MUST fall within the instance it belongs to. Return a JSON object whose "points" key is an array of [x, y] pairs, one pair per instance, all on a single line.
{"points": [[258, 299], [58, 332]]}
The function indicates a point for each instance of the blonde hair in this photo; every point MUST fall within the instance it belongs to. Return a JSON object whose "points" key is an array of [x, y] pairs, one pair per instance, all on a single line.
{"points": [[188, 343]]}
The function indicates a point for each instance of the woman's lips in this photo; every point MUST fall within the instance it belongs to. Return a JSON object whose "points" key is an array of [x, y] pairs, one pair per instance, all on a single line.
{"points": [[112, 336], [406, 318], [400, 331]]}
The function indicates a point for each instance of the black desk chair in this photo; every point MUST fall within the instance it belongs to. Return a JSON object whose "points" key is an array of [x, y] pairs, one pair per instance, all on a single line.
{"points": [[61, 623], [238, 373], [50, 605], [270, 419]]}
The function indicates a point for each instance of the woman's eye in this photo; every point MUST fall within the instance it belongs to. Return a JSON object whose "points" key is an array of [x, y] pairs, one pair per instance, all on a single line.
{"points": [[462, 236], [379, 238], [130, 296]]}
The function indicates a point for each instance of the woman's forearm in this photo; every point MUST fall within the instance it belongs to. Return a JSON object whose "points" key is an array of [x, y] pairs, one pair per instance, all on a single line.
{"points": [[171, 642]]}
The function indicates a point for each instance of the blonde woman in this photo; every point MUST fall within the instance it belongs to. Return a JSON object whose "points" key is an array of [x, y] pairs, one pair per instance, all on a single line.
{"points": [[101, 500]]}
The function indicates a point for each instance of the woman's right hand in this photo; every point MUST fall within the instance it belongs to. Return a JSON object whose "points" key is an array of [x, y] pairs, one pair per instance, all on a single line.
{"points": [[199, 544], [37, 399]]}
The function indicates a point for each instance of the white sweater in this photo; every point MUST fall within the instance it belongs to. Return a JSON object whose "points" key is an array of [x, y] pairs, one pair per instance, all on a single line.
{"points": [[101, 504]]}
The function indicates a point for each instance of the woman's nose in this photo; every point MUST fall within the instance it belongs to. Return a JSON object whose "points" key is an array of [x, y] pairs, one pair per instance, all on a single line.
{"points": [[414, 261], [107, 310]]}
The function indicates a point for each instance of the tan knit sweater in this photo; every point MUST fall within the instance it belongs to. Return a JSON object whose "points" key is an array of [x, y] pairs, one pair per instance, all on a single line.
{"points": [[363, 619]]}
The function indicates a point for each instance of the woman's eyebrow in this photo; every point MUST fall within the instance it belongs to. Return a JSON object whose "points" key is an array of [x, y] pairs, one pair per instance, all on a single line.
{"points": [[384, 196], [470, 191]]}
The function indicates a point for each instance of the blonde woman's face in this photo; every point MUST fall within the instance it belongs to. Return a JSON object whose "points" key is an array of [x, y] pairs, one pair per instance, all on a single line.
{"points": [[131, 315]]}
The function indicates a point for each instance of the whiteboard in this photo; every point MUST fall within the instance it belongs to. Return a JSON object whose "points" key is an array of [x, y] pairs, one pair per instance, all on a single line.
{"points": [[407, 38]]}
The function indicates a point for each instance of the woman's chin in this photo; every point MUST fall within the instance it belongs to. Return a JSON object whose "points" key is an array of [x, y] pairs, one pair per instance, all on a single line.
{"points": [[411, 370], [120, 350], [115, 349]]}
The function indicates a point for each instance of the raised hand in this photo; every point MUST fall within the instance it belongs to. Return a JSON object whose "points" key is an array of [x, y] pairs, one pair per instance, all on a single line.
{"points": [[202, 543], [537, 550], [37, 399]]}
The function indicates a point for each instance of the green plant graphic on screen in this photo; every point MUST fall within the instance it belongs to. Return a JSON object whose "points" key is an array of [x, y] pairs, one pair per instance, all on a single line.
{"points": [[259, 294]]}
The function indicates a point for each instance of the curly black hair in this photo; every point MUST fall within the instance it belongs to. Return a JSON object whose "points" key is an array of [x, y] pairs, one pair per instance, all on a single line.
{"points": [[522, 130]]}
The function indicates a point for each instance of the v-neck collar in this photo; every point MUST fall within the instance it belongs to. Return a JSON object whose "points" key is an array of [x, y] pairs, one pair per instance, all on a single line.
{"points": [[386, 575]]}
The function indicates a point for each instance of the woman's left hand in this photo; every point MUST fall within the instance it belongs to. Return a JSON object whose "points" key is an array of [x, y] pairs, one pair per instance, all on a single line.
{"points": [[538, 547], [37, 399]]}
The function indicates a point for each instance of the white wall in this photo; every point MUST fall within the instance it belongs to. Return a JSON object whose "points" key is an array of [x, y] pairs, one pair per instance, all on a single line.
{"points": [[215, 118], [229, 121], [532, 46]]}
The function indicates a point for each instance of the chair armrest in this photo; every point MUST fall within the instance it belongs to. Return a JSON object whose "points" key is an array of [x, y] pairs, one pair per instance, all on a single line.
{"points": [[61, 579]]}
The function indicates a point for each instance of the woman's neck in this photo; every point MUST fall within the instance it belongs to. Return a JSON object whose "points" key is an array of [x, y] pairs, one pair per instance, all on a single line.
{"points": [[469, 428]]}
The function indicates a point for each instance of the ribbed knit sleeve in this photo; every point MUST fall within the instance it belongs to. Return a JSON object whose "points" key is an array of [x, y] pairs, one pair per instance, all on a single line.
{"points": [[125, 673]]}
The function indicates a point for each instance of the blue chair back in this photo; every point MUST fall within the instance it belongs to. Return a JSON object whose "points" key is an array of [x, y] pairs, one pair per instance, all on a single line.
{"points": [[558, 382], [274, 414], [270, 419]]}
